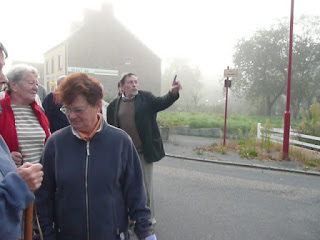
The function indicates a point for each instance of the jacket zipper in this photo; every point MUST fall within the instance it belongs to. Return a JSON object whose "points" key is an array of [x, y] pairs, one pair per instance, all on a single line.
{"points": [[86, 185]]}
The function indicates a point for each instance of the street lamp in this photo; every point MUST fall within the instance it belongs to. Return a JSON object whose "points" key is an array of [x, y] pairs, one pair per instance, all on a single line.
{"points": [[286, 131]]}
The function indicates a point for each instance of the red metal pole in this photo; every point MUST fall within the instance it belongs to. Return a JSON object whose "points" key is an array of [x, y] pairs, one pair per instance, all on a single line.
{"points": [[225, 113], [286, 132]]}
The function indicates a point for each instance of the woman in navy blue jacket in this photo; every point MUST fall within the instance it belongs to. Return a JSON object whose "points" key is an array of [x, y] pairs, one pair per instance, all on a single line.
{"points": [[92, 174]]}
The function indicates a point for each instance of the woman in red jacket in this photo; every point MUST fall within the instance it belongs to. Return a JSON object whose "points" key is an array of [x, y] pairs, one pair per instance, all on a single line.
{"points": [[23, 125]]}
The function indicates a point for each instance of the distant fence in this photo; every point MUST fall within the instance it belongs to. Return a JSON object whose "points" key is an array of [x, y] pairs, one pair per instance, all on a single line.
{"points": [[205, 132], [276, 134]]}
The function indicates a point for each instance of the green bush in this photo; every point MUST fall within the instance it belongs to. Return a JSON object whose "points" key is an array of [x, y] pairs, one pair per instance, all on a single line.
{"points": [[213, 120], [310, 120]]}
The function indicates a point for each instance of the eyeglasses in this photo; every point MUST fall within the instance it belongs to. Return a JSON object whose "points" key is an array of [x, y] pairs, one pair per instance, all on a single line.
{"points": [[76, 111]]}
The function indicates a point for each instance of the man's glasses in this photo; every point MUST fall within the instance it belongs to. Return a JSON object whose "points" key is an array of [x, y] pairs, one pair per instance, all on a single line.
{"points": [[76, 111]]}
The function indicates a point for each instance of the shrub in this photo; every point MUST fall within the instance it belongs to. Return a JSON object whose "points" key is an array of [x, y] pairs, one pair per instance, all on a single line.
{"points": [[310, 120]]}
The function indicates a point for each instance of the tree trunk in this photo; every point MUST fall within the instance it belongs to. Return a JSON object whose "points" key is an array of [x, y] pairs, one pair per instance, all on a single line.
{"points": [[269, 108]]}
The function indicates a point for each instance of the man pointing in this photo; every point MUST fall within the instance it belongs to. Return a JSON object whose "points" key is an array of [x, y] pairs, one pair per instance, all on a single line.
{"points": [[135, 112]]}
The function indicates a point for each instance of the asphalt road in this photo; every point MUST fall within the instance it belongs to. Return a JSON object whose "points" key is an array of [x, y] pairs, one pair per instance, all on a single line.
{"points": [[195, 200]]}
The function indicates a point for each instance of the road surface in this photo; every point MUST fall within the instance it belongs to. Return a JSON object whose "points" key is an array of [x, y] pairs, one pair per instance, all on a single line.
{"points": [[195, 200]]}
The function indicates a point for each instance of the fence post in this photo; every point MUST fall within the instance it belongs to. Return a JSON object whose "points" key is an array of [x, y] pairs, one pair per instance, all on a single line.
{"points": [[259, 130]]}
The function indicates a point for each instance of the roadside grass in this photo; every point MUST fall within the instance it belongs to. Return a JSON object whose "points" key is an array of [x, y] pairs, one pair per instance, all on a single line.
{"points": [[245, 144], [250, 147], [211, 120], [307, 158]]}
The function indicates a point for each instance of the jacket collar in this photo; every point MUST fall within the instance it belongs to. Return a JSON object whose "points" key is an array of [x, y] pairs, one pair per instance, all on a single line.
{"points": [[75, 132]]}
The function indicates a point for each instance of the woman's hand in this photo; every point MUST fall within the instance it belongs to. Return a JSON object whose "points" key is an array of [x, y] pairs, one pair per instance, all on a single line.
{"points": [[17, 158]]}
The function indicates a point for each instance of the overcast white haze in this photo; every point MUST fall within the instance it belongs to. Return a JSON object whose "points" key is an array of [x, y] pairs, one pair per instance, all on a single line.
{"points": [[204, 31]]}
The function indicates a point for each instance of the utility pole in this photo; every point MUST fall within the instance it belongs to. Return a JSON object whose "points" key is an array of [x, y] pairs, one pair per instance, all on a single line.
{"points": [[286, 131], [226, 111], [227, 73]]}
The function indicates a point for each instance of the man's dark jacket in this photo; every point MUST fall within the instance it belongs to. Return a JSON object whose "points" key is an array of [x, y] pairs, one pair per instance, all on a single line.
{"points": [[56, 118], [146, 107]]}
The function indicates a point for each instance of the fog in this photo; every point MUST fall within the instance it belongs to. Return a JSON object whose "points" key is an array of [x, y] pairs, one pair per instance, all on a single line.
{"points": [[203, 31]]}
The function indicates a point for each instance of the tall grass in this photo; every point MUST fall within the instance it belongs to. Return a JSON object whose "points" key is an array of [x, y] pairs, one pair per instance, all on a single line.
{"points": [[247, 145], [212, 120], [310, 120]]}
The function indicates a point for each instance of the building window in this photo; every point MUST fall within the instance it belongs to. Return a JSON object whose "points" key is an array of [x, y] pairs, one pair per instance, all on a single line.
{"points": [[127, 61], [47, 67], [52, 65], [60, 61]]}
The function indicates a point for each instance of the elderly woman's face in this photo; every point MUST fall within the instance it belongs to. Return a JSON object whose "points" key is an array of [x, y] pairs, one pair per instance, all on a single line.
{"points": [[27, 88], [81, 115]]}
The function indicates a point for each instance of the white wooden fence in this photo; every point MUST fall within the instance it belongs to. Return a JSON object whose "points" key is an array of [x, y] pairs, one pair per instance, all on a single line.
{"points": [[276, 134]]}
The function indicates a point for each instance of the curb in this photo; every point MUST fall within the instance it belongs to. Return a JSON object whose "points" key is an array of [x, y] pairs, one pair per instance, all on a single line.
{"points": [[244, 165]]}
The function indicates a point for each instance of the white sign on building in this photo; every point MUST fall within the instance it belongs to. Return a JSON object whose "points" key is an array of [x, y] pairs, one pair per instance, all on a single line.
{"points": [[93, 71]]}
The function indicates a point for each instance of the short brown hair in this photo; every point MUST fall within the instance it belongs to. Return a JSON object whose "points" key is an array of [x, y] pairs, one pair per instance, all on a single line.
{"points": [[79, 84], [124, 77]]}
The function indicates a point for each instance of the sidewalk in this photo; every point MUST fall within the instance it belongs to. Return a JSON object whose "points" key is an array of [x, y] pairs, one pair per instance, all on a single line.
{"points": [[182, 146]]}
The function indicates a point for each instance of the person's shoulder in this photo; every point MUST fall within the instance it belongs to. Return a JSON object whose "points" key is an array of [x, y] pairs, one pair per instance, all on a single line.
{"points": [[113, 102], [114, 129], [63, 131], [144, 92], [145, 95], [48, 99], [104, 103], [60, 135], [117, 132], [49, 95]]}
